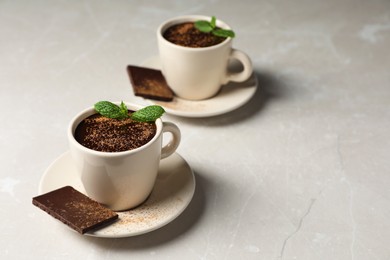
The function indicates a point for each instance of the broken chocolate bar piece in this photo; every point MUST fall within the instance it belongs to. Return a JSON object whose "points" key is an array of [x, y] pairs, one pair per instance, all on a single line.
{"points": [[75, 209], [149, 83]]}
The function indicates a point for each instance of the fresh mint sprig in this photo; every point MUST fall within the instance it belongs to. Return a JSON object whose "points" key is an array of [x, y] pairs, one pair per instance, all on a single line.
{"points": [[211, 27], [111, 110], [148, 114]]}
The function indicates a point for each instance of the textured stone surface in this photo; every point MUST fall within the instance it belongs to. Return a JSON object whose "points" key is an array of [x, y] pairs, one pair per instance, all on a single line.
{"points": [[299, 172]]}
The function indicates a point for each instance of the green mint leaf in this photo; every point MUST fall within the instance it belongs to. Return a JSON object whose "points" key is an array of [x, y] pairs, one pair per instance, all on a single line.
{"points": [[148, 114], [123, 108], [203, 26], [110, 110], [213, 22], [223, 33], [207, 27]]}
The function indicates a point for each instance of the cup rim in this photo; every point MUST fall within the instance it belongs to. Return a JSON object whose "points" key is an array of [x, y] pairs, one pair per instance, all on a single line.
{"points": [[191, 18], [90, 111]]}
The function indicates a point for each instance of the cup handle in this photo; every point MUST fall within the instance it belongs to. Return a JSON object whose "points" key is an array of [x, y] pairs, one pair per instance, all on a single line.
{"points": [[247, 64], [170, 147]]}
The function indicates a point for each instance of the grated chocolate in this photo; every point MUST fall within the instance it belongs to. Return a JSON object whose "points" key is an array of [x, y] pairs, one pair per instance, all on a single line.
{"points": [[104, 134]]}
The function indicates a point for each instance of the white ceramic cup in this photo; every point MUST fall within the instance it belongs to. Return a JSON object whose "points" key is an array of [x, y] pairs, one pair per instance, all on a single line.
{"points": [[121, 180], [199, 73]]}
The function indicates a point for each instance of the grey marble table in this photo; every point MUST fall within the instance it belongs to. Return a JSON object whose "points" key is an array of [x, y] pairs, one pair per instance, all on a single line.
{"points": [[301, 171]]}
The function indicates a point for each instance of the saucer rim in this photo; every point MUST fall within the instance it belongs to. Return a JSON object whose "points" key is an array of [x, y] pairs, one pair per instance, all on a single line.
{"points": [[191, 114], [97, 233]]}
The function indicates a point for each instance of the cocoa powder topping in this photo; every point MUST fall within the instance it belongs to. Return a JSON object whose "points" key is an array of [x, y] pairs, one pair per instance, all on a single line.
{"points": [[104, 134], [185, 34]]}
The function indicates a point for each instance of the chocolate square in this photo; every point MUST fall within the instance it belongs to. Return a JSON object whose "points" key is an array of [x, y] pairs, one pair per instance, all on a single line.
{"points": [[149, 83], [75, 209]]}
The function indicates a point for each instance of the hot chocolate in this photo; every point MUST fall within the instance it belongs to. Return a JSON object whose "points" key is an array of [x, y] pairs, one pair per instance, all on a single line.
{"points": [[185, 34], [104, 134]]}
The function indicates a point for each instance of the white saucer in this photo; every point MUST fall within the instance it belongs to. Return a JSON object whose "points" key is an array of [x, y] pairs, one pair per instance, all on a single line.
{"points": [[231, 96], [173, 191]]}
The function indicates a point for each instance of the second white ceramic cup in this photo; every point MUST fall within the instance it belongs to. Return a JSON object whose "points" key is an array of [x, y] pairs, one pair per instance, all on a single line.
{"points": [[198, 73], [121, 180]]}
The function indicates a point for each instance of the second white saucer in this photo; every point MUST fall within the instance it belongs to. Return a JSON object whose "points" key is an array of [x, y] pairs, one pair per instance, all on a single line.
{"points": [[173, 191], [231, 96]]}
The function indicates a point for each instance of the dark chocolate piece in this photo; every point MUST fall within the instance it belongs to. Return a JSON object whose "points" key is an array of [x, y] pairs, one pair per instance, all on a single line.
{"points": [[75, 209], [149, 83]]}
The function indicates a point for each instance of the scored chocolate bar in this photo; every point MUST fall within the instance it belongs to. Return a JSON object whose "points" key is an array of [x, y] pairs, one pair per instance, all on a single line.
{"points": [[75, 209], [149, 83]]}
